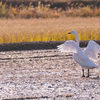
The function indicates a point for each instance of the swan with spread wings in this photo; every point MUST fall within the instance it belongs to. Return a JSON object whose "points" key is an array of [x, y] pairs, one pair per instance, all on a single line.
{"points": [[82, 57]]}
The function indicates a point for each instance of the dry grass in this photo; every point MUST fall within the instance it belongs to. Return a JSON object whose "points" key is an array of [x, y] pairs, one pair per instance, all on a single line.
{"points": [[20, 30], [42, 11]]}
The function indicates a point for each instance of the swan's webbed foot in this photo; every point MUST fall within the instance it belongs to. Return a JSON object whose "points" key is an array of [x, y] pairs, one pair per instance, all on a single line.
{"points": [[83, 75], [87, 77]]}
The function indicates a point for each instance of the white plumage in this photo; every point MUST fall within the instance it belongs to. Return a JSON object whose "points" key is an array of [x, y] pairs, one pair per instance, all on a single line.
{"points": [[82, 57]]}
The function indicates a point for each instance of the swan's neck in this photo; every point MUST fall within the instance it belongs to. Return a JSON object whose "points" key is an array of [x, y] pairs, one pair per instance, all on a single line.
{"points": [[77, 39]]}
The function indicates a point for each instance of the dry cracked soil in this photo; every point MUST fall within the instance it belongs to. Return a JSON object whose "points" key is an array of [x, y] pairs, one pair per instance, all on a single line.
{"points": [[45, 75]]}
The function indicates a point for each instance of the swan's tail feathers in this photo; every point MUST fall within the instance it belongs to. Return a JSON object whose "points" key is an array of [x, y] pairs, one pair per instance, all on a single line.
{"points": [[96, 66]]}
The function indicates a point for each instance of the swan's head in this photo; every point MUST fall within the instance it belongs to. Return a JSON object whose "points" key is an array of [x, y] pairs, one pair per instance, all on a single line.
{"points": [[75, 33], [72, 32]]}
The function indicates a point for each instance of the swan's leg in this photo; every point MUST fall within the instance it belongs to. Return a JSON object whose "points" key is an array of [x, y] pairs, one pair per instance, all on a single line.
{"points": [[83, 73], [88, 73]]}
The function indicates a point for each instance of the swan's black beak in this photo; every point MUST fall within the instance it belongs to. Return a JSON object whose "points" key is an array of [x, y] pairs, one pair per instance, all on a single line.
{"points": [[69, 33]]}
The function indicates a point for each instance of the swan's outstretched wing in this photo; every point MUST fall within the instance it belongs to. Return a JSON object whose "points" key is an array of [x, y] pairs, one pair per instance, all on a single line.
{"points": [[92, 50], [68, 46], [71, 46]]}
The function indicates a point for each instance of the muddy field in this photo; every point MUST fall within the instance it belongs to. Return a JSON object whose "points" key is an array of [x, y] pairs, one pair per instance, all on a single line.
{"points": [[45, 75]]}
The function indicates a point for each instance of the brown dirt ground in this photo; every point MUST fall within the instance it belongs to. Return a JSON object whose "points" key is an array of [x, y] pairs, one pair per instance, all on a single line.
{"points": [[45, 75]]}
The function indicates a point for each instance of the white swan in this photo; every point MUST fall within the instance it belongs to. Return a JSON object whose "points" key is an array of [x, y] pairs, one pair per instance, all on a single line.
{"points": [[92, 49], [81, 57]]}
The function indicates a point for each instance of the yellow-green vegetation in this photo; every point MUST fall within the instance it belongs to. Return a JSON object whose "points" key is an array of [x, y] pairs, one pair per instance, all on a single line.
{"points": [[24, 30]]}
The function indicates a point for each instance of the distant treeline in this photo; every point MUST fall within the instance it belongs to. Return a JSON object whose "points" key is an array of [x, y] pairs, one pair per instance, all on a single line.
{"points": [[64, 4]]}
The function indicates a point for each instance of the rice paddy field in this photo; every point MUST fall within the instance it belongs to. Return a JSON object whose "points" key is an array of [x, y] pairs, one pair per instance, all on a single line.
{"points": [[46, 75], [24, 30], [31, 68]]}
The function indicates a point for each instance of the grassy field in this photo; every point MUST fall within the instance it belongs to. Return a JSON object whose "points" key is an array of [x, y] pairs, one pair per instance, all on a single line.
{"points": [[23, 30]]}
